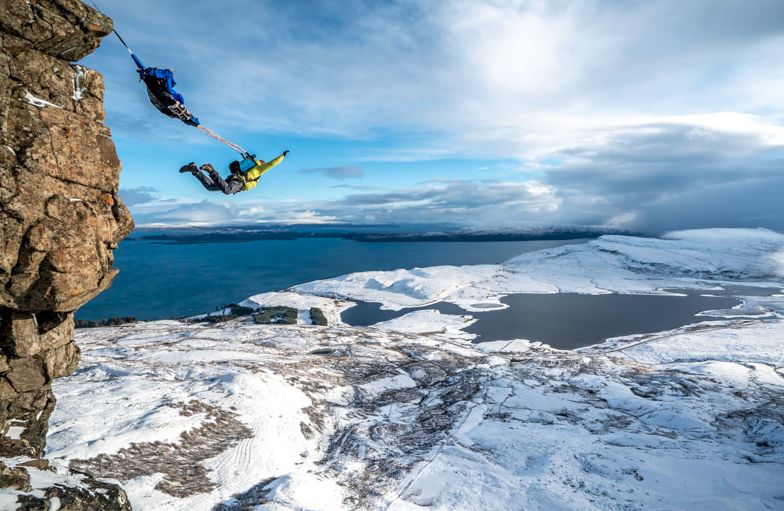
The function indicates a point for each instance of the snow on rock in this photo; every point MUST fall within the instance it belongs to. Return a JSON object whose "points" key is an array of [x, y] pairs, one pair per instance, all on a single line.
{"points": [[423, 422], [38, 102], [741, 342], [305, 491], [33, 483], [78, 90], [302, 302], [399, 289], [429, 321], [378, 387], [187, 400]]}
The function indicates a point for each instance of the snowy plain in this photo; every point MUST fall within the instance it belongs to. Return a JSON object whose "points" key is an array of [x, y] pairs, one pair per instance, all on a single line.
{"points": [[410, 415]]}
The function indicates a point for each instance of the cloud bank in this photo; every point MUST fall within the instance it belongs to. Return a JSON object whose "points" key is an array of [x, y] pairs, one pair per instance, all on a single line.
{"points": [[651, 116], [339, 173]]}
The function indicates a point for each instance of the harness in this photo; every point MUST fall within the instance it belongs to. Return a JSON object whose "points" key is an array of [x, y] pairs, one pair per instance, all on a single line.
{"points": [[245, 165]]}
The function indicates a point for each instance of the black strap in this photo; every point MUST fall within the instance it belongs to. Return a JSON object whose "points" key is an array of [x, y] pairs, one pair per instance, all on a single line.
{"points": [[113, 29], [120, 38]]}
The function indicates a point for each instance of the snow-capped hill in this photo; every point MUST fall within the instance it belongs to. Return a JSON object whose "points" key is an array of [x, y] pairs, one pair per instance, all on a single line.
{"points": [[703, 254], [609, 264], [397, 289]]}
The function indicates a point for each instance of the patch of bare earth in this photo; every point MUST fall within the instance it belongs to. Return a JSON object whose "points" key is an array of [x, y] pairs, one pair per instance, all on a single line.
{"points": [[181, 462]]}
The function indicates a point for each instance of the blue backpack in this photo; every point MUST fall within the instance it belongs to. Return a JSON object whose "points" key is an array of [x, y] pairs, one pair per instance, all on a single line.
{"points": [[160, 89]]}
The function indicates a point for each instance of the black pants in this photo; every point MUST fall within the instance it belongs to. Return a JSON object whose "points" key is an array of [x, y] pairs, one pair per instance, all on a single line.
{"points": [[215, 183]]}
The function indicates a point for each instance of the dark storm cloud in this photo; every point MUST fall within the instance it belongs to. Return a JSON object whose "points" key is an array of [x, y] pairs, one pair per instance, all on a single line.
{"points": [[671, 176], [753, 202]]}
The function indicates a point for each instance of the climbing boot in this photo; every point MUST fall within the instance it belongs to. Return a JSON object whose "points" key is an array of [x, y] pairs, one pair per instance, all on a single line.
{"points": [[191, 167]]}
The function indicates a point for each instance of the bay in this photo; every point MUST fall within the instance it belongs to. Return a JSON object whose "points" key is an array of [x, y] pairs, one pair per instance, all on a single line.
{"points": [[169, 280]]}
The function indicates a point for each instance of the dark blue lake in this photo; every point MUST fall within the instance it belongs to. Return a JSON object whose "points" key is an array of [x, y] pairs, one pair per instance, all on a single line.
{"points": [[165, 280], [567, 320]]}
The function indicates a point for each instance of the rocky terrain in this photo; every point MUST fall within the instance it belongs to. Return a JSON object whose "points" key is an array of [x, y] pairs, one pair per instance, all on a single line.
{"points": [[60, 219], [408, 414], [234, 415]]}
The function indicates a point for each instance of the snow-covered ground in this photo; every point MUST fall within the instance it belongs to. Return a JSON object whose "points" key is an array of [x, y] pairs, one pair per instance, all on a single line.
{"points": [[408, 414], [701, 259]]}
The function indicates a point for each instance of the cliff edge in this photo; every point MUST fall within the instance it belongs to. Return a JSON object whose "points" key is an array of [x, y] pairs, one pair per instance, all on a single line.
{"points": [[60, 215]]}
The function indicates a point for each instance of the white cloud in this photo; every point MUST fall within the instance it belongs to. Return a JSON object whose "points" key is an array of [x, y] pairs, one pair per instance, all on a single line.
{"points": [[491, 203], [514, 74], [778, 259], [652, 115], [652, 178], [339, 173], [209, 212]]}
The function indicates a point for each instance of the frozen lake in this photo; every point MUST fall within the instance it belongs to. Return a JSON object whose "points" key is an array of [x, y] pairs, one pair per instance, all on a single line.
{"points": [[566, 320]]}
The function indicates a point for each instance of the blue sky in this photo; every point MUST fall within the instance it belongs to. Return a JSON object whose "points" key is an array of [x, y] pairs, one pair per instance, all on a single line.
{"points": [[645, 115]]}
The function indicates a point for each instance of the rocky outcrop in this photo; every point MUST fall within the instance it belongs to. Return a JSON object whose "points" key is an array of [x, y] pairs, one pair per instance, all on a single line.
{"points": [[29, 485], [60, 215]]}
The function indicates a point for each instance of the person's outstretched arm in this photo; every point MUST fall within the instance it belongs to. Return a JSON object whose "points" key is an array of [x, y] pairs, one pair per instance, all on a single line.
{"points": [[260, 168]]}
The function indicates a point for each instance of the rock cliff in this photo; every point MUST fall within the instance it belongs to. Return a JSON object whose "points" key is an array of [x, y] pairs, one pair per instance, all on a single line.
{"points": [[60, 215]]}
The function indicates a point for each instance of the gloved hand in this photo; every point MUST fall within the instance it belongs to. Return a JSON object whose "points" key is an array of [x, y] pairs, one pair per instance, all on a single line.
{"points": [[286, 152]]}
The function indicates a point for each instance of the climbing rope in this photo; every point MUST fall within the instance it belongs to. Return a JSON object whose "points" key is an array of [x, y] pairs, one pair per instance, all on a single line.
{"points": [[177, 109], [210, 133]]}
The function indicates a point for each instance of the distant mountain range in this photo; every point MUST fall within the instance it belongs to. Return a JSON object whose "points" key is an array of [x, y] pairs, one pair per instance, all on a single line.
{"points": [[367, 233]]}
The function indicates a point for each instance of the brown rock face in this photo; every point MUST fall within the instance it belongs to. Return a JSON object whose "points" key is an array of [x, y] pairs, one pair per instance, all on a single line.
{"points": [[60, 215]]}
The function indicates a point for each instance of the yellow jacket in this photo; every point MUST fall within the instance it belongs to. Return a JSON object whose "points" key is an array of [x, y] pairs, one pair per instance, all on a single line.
{"points": [[253, 174]]}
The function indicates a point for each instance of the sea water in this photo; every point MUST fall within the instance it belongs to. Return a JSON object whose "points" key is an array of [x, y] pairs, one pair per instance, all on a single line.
{"points": [[168, 280]]}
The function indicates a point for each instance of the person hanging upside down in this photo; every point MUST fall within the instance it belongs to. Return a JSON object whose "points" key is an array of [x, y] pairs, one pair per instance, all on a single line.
{"points": [[238, 181]]}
